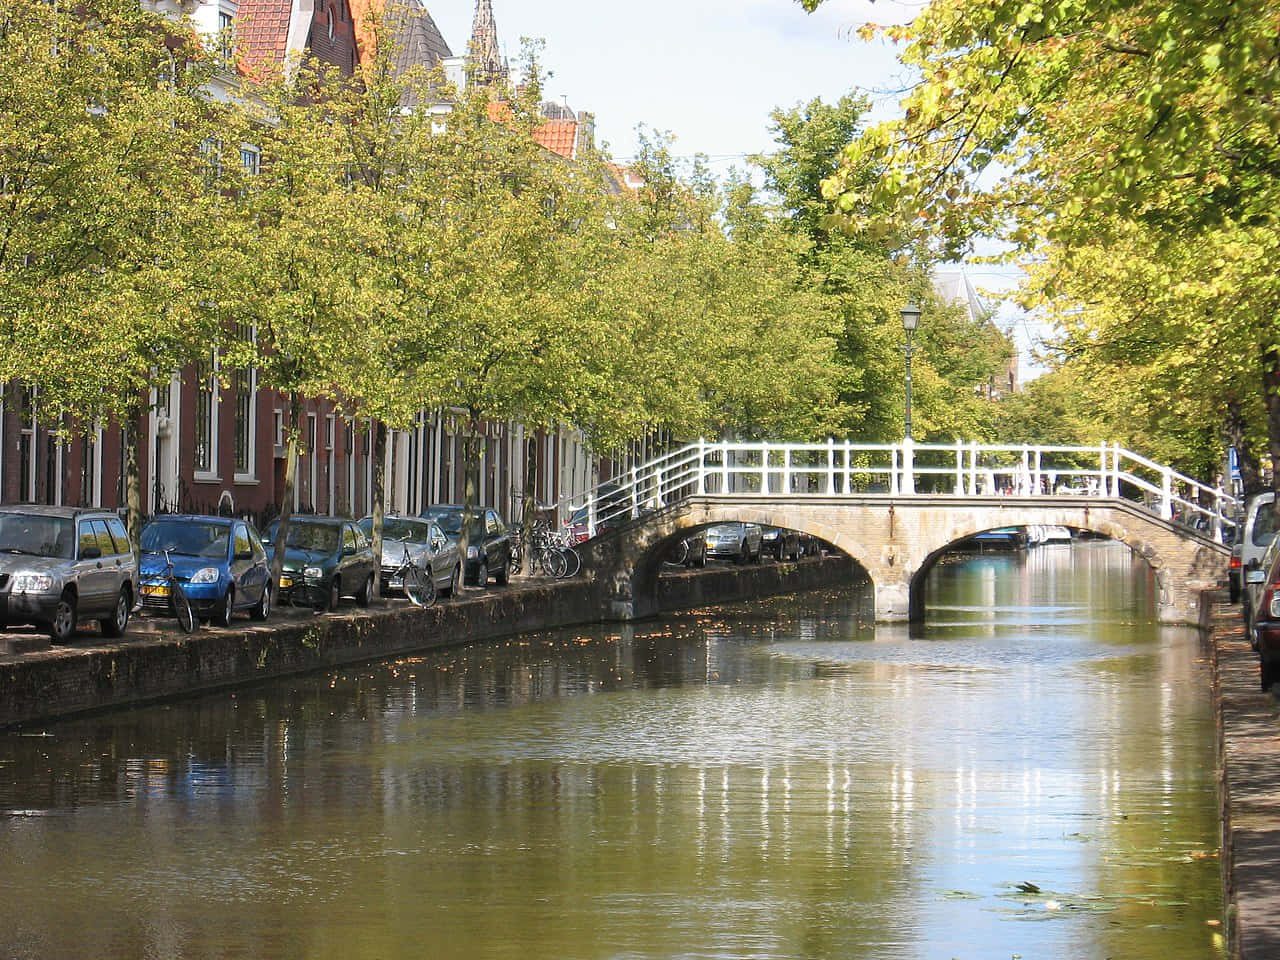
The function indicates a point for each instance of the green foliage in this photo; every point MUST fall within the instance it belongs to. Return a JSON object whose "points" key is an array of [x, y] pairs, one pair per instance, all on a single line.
{"points": [[105, 215], [1129, 154]]}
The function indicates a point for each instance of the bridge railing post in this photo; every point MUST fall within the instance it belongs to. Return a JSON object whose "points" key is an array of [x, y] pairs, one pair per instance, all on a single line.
{"points": [[702, 467], [908, 484], [848, 466], [831, 466], [959, 469], [893, 470], [764, 469], [973, 468], [724, 466], [1115, 470], [1166, 493], [1103, 473], [786, 470], [1036, 481], [635, 493]]}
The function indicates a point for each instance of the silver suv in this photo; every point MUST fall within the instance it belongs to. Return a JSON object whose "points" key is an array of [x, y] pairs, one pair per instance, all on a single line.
{"points": [[59, 565]]}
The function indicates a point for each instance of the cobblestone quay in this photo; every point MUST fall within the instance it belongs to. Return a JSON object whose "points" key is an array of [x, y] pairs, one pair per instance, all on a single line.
{"points": [[153, 661], [1249, 771]]}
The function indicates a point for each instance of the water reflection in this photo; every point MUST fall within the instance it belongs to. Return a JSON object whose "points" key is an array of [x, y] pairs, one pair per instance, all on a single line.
{"points": [[769, 780]]}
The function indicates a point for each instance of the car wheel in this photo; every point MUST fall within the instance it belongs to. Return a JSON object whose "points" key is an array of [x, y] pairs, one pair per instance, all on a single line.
{"points": [[1267, 672], [702, 559], [1233, 591], [222, 616], [504, 574], [262, 609], [455, 582], [335, 593], [114, 625], [744, 553], [63, 626], [365, 596], [482, 574]]}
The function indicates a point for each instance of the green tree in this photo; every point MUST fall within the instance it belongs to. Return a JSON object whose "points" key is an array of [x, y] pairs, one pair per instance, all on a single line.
{"points": [[1094, 137], [106, 214]]}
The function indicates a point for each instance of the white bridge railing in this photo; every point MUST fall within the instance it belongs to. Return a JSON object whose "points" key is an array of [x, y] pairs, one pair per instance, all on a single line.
{"points": [[840, 468]]}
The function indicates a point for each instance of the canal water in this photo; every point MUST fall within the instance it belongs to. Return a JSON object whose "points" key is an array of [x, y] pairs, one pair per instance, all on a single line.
{"points": [[1030, 775]]}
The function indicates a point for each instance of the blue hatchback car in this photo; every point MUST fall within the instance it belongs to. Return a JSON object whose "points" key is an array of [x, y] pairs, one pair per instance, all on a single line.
{"points": [[220, 562]]}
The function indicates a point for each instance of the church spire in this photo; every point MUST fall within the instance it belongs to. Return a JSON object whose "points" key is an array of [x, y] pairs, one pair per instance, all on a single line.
{"points": [[487, 63]]}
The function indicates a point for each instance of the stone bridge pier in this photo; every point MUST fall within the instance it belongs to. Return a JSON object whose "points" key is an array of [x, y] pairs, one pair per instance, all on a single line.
{"points": [[897, 541]]}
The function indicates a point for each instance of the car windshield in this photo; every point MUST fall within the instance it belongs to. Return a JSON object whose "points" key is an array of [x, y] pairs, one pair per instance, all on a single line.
{"points": [[185, 538], [413, 531], [37, 536], [725, 530], [451, 522], [1264, 525], [320, 537]]}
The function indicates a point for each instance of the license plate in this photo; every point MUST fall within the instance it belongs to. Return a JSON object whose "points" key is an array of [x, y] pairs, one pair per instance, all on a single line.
{"points": [[155, 589], [395, 582], [286, 583]]}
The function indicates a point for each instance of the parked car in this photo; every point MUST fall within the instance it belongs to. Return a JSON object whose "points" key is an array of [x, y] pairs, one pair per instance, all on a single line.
{"points": [[780, 543], [1256, 579], [435, 553], [738, 541], [329, 556], [612, 509], [489, 549], [1264, 617], [1257, 530], [220, 562], [59, 565], [810, 546]]}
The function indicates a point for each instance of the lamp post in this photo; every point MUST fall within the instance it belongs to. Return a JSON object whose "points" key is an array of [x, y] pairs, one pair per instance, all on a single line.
{"points": [[910, 320]]}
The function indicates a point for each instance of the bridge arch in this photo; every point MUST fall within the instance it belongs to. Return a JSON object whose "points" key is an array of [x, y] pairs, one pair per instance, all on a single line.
{"points": [[1139, 546], [896, 540]]}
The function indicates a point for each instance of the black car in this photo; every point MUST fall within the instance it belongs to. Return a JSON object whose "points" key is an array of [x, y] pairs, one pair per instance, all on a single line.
{"points": [[489, 543], [781, 544], [326, 559]]}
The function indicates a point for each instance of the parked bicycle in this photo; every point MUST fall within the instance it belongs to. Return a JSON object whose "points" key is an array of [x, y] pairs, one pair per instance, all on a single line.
{"points": [[171, 591], [417, 586], [552, 552]]}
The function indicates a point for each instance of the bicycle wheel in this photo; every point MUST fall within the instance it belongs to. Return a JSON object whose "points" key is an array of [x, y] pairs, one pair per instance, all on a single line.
{"points": [[517, 557], [182, 608], [679, 553], [573, 562], [420, 589], [553, 563]]}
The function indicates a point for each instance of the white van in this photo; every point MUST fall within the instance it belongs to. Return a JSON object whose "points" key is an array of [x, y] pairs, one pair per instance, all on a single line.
{"points": [[1256, 534]]}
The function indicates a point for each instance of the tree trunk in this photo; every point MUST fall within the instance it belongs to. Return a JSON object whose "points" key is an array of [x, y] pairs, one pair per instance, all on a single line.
{"points": [[292, 432], [471, 448], [133, 479], [379, 498], [1250, 469], [1271, 396], [530, 506]]}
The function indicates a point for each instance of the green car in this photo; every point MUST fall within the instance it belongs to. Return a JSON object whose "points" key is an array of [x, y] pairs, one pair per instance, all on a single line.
{"points": [[325, 559]]}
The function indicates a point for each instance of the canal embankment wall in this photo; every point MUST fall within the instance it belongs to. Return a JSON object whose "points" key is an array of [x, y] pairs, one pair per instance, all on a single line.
{"points": [[154, 662], [1248, 727]]}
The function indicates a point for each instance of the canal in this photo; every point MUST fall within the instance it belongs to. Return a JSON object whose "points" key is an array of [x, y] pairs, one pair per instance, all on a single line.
{"points": [[1031, 774]]}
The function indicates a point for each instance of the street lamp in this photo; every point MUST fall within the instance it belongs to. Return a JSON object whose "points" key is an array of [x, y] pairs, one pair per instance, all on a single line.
{"points": [[910, 320]]}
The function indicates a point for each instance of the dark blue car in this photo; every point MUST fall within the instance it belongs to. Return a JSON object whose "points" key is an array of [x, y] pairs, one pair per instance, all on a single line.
{"points": [[220, 562]]}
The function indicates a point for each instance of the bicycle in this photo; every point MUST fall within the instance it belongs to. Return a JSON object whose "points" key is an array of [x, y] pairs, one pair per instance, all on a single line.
{"points": [[171, 590], [417, 586]]}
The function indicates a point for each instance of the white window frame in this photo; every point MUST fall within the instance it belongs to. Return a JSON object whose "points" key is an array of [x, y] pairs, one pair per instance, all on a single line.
{"points": [[250, 475], [249, 150], [29, 433], [211, 475]]}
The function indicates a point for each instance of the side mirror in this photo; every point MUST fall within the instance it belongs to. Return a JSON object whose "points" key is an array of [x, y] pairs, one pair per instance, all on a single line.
{"points": [[90, 553], [244, 555]]}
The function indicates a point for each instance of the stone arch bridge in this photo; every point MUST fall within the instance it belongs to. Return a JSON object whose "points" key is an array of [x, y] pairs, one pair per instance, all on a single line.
{"points": [[878, 514]]}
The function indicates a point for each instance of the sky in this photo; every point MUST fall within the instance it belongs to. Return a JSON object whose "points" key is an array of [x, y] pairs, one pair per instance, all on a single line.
{"points": [[709, 72]]}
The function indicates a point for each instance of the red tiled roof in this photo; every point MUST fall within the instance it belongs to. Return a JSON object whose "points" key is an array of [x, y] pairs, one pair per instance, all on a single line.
{"points": [[262, 33], [558, 136]]}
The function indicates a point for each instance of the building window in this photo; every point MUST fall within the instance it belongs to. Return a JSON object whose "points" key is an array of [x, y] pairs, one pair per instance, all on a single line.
{"points": [[27, 444], [224, 37], [245, 384], [211, 154], [278, 429], [206, 432], [250, 159]]}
